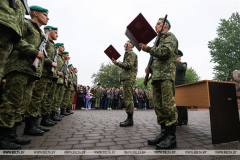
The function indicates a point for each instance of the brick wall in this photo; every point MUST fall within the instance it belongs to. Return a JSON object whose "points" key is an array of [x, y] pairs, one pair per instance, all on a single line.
{"points": [[236, 77]]}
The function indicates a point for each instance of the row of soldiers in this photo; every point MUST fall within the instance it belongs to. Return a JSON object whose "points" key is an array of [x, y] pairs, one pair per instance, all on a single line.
{"points": [[28, 92]]}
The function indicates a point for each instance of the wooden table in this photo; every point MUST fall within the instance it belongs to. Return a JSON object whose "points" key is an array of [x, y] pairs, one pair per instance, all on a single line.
{"points": [[220, 97]]}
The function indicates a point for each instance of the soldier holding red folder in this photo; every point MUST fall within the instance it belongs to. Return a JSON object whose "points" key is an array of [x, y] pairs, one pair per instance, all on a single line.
{"points": [[163, 76], [129, 72]]}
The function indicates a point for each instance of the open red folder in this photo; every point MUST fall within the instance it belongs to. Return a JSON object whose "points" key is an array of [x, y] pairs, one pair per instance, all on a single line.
{"points": [[140, 31], [111, 52]]}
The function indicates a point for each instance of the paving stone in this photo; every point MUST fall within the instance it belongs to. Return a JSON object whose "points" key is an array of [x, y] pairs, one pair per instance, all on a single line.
{"points": [[99, 130]]}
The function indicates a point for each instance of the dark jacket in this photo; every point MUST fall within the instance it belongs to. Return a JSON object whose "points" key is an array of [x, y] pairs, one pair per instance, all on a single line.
{"points": [[181, 69]]}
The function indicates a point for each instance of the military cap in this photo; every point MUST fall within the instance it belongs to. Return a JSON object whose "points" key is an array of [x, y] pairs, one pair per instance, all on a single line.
{"points": [[64, 52], [74, 68], [53, 28], [130, 42], [37, 8], [180, 53], [59, 44], [69, 65], [99, 84], [166, 21]]}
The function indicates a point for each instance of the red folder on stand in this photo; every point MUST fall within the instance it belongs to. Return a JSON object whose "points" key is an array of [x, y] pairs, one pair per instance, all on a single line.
{"points": [[140, 31], [111, 52]]}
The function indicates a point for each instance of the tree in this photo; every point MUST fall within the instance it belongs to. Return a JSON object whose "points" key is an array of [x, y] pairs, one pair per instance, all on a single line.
{"points": [[107, 75], [225, 49], [140, 85], [191, 75]]}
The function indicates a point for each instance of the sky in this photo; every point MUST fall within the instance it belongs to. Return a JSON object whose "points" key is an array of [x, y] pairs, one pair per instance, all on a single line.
{"points": [[88, 27]]}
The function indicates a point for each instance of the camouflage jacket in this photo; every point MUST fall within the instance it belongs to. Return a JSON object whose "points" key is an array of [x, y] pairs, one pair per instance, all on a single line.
{"points": [[97, 93], [60, 62], [50, 48], [164, 68], [69, 85], [75, 81], [13, 18], [129, 66], [21, 60], [181, 68], [150, 94]]}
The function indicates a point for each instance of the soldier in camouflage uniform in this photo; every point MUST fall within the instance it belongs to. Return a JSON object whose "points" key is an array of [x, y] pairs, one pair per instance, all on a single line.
{"points": [[72, 89], [68, 89], [11, 28], [97, 95], [60, 100], [181, 68], [46, 106], [150, 98], [75, 71], [128, 75], [163, 76], [20, 77], [60, 87]]}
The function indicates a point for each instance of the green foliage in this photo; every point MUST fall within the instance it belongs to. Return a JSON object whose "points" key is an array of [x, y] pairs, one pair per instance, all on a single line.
{"points": [[225, 49], [107, 75], [191, 75], [140, 85]]}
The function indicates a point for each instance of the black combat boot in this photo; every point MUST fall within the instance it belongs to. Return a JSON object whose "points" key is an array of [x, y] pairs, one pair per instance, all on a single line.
{"points": [[169, 141], [45, 121], [68, 110], [13, 137], [128, 121], [37, 125], [31, 129], [50, 120], [160, 137], [63, 112], [59, 115], [5, 142], [54, 117]]}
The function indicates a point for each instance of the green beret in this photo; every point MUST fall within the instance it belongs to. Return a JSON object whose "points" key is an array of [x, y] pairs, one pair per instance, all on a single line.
{"points": [[74, 68], [130, 42], [180, 53], [53, 28], [37, 8], [166, 21], [64, 52], [59, 44], [69, 65], [99, 84]]}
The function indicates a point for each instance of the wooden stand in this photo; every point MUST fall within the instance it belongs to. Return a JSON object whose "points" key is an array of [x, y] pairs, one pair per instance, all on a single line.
{"points": [[221, 99]]}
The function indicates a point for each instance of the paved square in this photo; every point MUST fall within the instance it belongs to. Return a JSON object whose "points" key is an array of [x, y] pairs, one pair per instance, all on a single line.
{"points": [[99, 130]]}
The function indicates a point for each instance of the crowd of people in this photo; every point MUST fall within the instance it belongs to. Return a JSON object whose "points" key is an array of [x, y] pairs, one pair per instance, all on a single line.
{"points": [[110, 98]]}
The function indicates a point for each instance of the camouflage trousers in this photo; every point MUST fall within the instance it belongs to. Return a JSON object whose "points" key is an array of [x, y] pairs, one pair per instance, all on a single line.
{"points": [[164, 103], [16, 97], [6, 46], [58, 97], [71, 99], [128, 96], [41, 87], [47, 106], [66, 98], [97, 102]]}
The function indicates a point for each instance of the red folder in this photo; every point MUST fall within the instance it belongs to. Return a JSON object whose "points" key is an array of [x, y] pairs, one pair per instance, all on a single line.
{"points": [[140, 31], [111, 52]]}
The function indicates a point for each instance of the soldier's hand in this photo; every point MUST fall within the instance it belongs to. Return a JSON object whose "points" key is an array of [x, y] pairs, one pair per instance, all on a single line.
{"points": [[114, 61], [4, 81], [54, 64], [143, 46], [60, 73], [147, 70], [40, 55]]}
